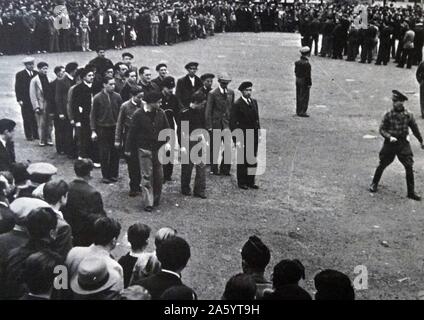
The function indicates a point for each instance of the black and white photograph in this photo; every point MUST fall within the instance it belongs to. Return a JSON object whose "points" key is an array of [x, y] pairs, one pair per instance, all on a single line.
{"points": [[236, 151]]}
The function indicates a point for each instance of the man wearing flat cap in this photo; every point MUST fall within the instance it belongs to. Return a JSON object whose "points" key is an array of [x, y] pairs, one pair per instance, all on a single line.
{"points": [[245, 116], [22, 81], [188, 85], [302, 70], [143, 136], [395, 130], [217, 116]]}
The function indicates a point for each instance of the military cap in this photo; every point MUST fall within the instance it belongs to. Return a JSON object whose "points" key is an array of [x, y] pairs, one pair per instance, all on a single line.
{"points": [[205, 76], [160, 65], [152, 97], [191, 64], [224, 77], [168, 82], [28, 60], [305, 50], [244, 85], [398, 96]]}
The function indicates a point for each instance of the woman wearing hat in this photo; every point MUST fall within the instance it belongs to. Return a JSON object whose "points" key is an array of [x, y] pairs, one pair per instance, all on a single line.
{"points": [[245, 117]]}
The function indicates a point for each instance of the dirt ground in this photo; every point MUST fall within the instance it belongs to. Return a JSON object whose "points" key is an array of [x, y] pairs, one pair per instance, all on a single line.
{"points": [[313, 203]]}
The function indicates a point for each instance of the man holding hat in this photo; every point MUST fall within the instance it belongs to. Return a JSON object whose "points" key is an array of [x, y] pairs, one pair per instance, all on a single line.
{"points": [[7, 148], [171, 108], [143, 136], [302, 70], [22, 81], [217, 116], [188, 85], [395, 130], [245, 116]]}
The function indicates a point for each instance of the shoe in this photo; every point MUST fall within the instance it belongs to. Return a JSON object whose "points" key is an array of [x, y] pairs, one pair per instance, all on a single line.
{"points": [[305, 115], [253, 186], [133, 194], [97, 165], [196, 195], [30, 139], [186, 193], [106, 181], [113, 179], [41, 144], [414, 196], [243, 186], [49, 143], [215, 173], [373, 188], [148, 209]]}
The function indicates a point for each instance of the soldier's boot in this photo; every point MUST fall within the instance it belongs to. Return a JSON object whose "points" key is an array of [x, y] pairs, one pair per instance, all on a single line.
{"points": [[411, 185], [377, 176]]}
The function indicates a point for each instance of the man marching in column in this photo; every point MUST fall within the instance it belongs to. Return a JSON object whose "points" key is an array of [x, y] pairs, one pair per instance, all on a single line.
{"points": [[23, 79], [217, 116], [245, 116], [302, 70], [146, 125], [123, 124], [103, 118], [395, 129]]}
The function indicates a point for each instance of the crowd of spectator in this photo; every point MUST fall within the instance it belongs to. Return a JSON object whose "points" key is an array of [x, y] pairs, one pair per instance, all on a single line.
{"points": [[46, 255], [87, 24]]}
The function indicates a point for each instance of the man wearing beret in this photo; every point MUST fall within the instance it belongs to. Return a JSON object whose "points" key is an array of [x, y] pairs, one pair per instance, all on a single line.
{"points": [[207, 80], [143, 136], [302, 70], [7, 149], [245, 116], [188, 85], [162, 70], [395, 130], [171, 108], [22, 81], [217, 116], [127, 59]]}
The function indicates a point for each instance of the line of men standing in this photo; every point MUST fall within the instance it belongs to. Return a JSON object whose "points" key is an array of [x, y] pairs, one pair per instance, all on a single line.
{"points": [[93, 120]]}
